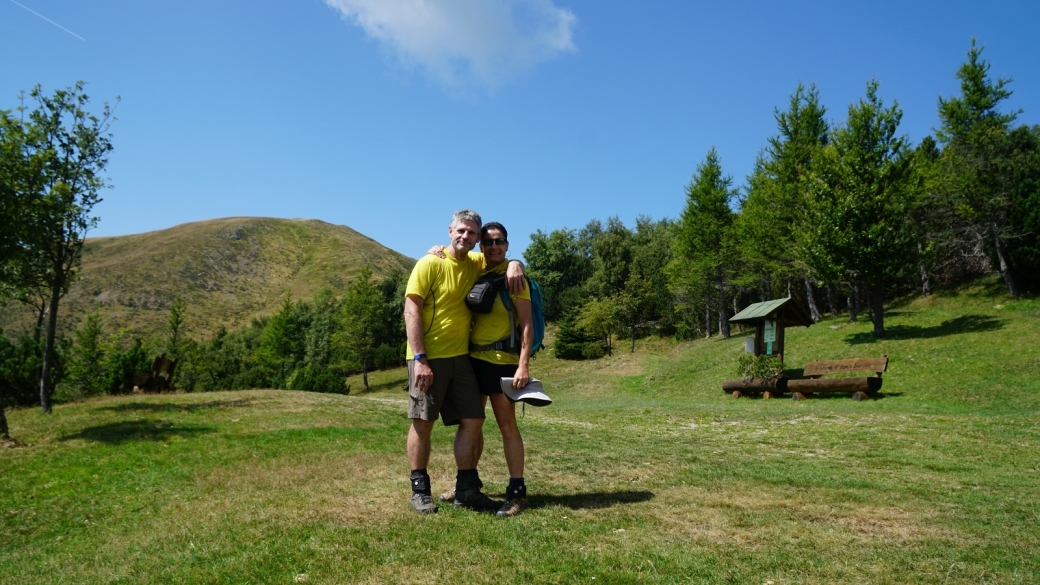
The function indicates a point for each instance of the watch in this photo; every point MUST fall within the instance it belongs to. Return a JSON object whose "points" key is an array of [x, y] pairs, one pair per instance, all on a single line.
{"points": [[418, 356]]}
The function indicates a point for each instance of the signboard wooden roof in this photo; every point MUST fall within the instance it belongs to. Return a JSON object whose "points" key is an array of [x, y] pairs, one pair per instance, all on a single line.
{"points": [[786, 311]]}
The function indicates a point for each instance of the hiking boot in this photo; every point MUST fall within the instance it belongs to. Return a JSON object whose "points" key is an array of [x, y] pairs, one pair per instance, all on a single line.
{"points": [[512, 508], [474, 499], [448, 496], [423, 504]]}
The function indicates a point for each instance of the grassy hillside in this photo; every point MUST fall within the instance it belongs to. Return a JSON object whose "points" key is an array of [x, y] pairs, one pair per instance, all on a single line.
{"points": [[227, 270], [642, 471]]}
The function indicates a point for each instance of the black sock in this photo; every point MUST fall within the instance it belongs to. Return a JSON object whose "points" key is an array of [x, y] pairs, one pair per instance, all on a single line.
{"points": [[468, 479], [421, 482], [516, 488]]}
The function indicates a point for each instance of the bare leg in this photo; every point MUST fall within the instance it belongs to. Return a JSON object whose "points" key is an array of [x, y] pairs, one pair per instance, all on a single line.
{"points": [[469, 442], [512, 442], [419, 443]]}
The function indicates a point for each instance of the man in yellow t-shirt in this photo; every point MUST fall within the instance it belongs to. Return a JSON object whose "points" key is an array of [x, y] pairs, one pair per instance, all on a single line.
{"points": [[440, 378]]}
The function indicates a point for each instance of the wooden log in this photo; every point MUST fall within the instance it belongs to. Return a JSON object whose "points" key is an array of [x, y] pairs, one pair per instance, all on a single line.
{"points": [[755, 385], [868, 385]]}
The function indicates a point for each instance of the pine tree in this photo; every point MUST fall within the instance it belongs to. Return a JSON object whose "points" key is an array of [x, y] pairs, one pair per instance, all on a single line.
{"points": [[704, 251]]}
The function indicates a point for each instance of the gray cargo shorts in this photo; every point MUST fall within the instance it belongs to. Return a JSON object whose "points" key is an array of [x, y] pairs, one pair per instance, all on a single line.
{"points": [[454, 395]]}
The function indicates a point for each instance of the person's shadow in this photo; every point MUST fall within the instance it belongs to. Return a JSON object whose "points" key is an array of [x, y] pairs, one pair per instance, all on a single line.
{"points": [[589, 500]]}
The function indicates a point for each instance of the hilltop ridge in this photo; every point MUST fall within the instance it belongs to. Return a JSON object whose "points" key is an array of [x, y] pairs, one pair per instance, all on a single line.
{"points": [[228, 271]]}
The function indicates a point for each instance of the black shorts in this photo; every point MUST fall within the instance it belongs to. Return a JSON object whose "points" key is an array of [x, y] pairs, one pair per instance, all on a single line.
{"points": [[489, 375]]}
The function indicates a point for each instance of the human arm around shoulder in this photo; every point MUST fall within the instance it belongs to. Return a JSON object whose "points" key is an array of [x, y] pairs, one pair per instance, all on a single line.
{"points": [[413, 325], [437, 251], [515, 279], [523, 313]]}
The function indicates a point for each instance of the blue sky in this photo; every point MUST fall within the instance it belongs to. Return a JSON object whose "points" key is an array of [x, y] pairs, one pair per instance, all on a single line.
{"points": [[388, 115]]}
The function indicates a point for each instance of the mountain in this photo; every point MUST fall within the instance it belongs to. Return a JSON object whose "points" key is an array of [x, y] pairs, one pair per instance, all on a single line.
{"points": [[228, 271]]}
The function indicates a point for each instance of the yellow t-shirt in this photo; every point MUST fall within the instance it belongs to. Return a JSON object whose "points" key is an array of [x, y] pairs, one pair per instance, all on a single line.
{"points": [[490, 327], [443, 283]]}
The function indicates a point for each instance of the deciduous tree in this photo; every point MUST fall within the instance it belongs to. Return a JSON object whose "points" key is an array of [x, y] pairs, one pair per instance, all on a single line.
{"points": [[857, 203], [64, 149]]}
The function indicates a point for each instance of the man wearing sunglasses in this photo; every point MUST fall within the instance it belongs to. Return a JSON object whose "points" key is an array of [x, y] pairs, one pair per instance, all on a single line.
{"points": [[441, 382]]}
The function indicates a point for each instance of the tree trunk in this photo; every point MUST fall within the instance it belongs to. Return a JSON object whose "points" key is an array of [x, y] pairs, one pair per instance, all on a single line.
{"points": [[767, 288], [633, 331], [40, 316], [853, 308], [813, 311], [364, 373], [5, 433], [926, 283], [48, 351], [831, 306], [788, 287], [877, 306], [1005, 270], [707, 320], [610, 349], [723, 320]]}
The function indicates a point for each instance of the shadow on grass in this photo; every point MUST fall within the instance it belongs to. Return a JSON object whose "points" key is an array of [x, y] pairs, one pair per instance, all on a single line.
{"points": [[962, 324], [167, 407], [136, 430], [590, 500]]}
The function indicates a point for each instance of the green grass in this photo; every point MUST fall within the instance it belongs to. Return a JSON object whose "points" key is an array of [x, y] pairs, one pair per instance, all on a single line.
{"points": [[642, 471]]}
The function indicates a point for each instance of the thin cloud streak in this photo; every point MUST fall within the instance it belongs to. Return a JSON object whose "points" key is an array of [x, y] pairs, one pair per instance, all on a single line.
{"points": [[50, 21], [458, 41]]}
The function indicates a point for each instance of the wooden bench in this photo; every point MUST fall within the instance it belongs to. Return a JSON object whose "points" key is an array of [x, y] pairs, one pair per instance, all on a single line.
{"points": [[861, 388]]}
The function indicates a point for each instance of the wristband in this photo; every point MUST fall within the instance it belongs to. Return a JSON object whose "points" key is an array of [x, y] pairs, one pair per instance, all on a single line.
{"points": [[418, 356]]}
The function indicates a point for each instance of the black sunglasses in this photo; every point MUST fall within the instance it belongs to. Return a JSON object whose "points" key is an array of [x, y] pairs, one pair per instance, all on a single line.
{"points": [[495, 241]]}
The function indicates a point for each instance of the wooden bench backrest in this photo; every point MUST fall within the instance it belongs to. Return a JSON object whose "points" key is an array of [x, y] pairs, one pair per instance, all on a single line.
{"points": [[876, 365]]}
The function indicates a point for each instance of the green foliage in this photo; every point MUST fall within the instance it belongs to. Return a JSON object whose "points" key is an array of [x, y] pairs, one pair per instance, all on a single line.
{"points": [[704, 252], [599, 318], [20, 364], [858, 202], [123, 358], [986, 176], [315, 377], [763, 367], [772, 212], [574, 344], [561, 264], [361, 321], [87, 359], [62, 150], [305, 345]]}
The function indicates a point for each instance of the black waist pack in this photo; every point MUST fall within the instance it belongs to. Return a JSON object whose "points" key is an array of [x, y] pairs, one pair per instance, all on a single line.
{"points": [[481, 297]]}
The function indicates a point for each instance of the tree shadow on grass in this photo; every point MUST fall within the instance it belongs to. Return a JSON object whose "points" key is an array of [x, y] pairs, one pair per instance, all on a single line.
{"points": [[136, 430], [962, 324], [167, 407], [590, 500]]}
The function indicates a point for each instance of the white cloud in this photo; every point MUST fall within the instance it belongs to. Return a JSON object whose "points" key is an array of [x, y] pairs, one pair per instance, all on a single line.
{"points": [[487, 41]]}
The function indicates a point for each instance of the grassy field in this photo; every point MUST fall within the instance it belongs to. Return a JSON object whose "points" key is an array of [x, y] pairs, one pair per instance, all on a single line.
{"points": [[643, 471]]}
